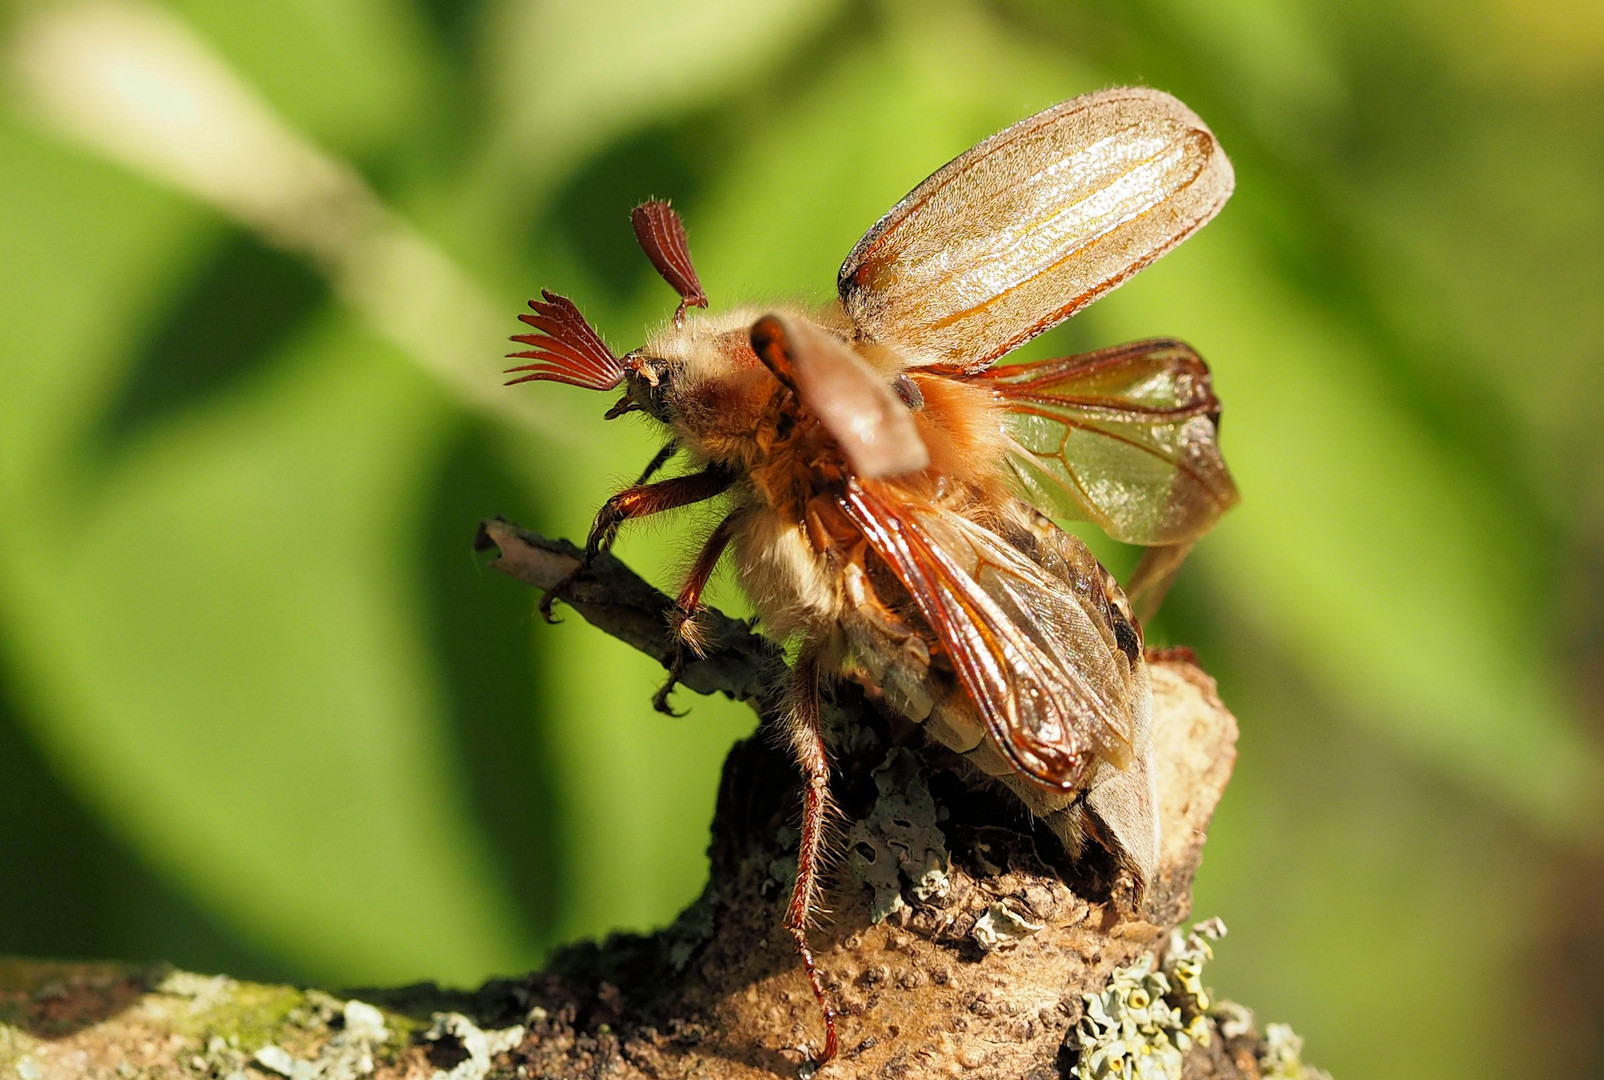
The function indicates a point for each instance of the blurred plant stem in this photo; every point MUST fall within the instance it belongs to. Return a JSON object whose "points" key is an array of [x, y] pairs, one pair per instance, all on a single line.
{"points": [[131, 81]]}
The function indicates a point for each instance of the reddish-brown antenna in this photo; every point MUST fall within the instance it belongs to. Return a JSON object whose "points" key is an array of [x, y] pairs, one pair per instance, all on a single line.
{"points": [[662, 236], [565, 348]]}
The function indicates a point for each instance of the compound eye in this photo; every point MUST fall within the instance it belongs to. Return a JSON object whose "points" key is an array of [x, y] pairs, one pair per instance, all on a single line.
{"points": [[650, 382]]}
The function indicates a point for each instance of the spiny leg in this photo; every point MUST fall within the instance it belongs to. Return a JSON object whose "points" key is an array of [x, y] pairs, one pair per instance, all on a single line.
{"points": [[641, 500], [1151, 579], [805, 732], [658, 461], [682, 620]]}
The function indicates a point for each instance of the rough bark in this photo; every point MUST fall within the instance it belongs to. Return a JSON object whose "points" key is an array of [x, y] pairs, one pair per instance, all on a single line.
{"points": [[959, 941]]}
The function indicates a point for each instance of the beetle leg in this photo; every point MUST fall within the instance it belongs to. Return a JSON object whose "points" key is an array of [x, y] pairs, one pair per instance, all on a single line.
{"points": [[805, 731], [1151, 578], [643, 500], [638, 501], [658, 461], [682, 623]]}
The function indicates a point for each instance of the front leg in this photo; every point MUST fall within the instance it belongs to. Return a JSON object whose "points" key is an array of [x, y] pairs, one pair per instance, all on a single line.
{"points": [[643, 500], [638, 501], [1152, 576], [660, 459]]}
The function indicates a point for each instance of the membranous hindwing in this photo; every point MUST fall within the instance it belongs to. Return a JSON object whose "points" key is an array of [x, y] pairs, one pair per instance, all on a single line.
{"points": [[1127, 437]]}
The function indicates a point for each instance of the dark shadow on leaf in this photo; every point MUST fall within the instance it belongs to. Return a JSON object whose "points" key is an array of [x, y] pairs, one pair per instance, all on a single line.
{"points": [[678, 159], [456, 24], [591, 211], [482, 624], [240, 307]]}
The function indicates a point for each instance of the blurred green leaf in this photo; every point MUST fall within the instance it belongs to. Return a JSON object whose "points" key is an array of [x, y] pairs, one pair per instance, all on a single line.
{"points": [[564, 81], [211, 704], [1375, 560], [220, 628], [358, 76], [1368, 902]]}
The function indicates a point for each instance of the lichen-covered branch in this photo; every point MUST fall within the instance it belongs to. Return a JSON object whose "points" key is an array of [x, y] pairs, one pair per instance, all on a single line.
{"points": [[960, 942]]}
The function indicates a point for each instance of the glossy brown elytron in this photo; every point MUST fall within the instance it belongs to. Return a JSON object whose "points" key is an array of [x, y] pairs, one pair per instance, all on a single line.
{"points": [[890, 494]]}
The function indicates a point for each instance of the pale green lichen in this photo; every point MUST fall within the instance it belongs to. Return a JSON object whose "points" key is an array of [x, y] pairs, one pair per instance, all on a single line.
{"points": [[215, 1006], [1283, 1056], [1142, 1024], [1131, 1030], [351, 1053], [301, 1035], [899, 842]]}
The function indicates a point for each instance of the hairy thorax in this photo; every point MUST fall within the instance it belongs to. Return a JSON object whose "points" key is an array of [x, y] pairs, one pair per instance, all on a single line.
{"points": [[791, 541]]}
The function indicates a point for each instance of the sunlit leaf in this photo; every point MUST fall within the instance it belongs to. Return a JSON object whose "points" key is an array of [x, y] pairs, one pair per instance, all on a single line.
{"points": [[566, 81], [359, 76]]}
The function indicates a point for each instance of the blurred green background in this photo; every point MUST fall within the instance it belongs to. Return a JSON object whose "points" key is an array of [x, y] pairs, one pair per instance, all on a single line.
{"points": [[262, 711]]}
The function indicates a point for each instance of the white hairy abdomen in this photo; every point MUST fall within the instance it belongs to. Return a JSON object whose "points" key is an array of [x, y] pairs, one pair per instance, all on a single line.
{"points": [[789, 583]]}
